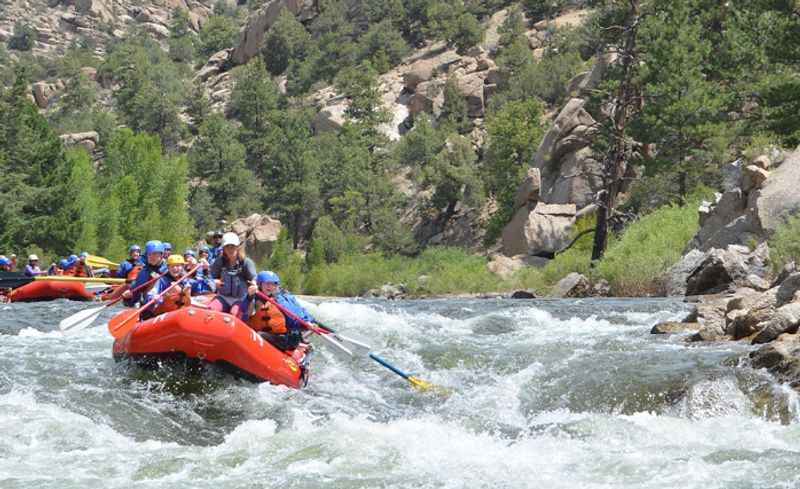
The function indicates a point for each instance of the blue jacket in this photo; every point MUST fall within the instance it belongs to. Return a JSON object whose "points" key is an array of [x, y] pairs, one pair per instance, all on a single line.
{"points": [[145, 275], [214, 252], [202, 284], [289, 302], [126, 266]]}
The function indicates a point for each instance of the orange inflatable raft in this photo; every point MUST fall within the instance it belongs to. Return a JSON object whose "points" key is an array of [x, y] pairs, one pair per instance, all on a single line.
{"points": [[214, 337], [47, 290]]}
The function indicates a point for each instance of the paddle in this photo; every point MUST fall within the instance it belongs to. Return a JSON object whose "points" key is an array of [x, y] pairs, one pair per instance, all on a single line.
{"points": [[100, 262], [305, 324], [12, 280], [326, 334], [121, 324], [415, 381], [85, 318]]}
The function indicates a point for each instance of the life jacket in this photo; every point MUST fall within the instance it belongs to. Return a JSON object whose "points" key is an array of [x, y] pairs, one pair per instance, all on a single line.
{"points": [[174, 300], [234, 277], [267, 317], [80, 270], [133, 272]]}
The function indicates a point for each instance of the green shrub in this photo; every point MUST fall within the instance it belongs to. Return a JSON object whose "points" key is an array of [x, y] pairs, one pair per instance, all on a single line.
{"points": [[24, 37], [784, 245], [435, 271], [218, 33], [635, 263]]}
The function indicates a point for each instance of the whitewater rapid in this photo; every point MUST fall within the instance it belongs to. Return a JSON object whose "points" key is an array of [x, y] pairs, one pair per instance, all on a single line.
{"points": [[544, 394]]}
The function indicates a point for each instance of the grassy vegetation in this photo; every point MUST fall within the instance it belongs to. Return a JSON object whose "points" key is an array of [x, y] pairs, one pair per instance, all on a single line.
{"points": [[435, 271], [633, 265], [784, 246]]}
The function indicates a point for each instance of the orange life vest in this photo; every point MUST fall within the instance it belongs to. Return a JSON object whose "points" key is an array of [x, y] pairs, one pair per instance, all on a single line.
{"points": [[132, 273], [267, 318], [174, 300], [80, 270]]}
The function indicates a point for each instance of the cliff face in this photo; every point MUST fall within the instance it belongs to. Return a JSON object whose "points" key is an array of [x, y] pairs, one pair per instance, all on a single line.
{"points": [[567, 168], [59, 23]]}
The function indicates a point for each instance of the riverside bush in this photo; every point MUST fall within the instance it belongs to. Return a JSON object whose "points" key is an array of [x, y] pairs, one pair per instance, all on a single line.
{"points": [[635, 263], [784, 245], [435, 271]]}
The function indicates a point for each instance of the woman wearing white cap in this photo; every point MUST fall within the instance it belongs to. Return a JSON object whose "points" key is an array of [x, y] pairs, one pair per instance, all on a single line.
{"points": [[234, 275], [32, 268]]}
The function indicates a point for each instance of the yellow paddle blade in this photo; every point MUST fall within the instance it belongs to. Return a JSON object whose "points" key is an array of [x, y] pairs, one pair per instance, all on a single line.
{"points": [[426, 386], [100, 262]]}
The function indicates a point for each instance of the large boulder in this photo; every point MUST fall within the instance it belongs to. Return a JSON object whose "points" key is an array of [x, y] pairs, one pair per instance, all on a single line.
{"points": [[88, 140], [42, 93], [755, 202], [573, 285], [711, 314], [785, 320], [420, 71], [471, 87], [778, 197], [542, 230], [747, 310], [258, 233], [781, 358], [570, 171], [721, 270], [253, 35], [505, 266], [675, 278]]}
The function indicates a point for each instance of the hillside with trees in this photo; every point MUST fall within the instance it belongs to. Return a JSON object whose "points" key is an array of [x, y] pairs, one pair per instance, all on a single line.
{"points": [[184, 126]]}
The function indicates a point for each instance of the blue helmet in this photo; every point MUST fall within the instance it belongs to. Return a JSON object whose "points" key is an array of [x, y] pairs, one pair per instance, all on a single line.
{"points": [[269, 277], [63, 263], [84, 254], [189, 252], [133, 248], [205, 249], [167, 246], [153, 246], [4, 261], [72, 258]]}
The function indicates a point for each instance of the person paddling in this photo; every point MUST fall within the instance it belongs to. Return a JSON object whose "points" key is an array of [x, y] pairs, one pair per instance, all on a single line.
{"points": [[129, 269], [283, 297], [177, 296], [234, 275], [32, 268], [153, 267], [265, 318], [5, 264], [167, 249], [82, 269]]}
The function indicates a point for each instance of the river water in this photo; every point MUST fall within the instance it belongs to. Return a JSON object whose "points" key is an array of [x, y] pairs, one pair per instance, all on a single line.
{"points": [[544, 394]]}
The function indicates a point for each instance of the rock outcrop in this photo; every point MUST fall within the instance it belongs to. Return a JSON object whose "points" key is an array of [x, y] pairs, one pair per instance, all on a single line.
{"points": [[88, 140], [573, 285], [539, 231], [258, 233], [252, 35], [757, 197]]}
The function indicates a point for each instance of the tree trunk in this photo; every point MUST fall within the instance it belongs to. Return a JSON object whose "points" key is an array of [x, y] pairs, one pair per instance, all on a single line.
{"points": [[616, 160]]}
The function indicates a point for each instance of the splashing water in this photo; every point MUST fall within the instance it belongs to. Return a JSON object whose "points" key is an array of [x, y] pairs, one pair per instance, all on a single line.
{"points": [[545, 394]]}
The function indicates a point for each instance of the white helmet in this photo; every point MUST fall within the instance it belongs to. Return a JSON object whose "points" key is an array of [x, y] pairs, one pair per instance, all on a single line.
{"points": [[33, 257], [230, 239]]}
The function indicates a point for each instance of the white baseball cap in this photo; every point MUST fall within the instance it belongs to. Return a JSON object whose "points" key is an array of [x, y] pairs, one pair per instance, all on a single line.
{"points": [[230, 239]]}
